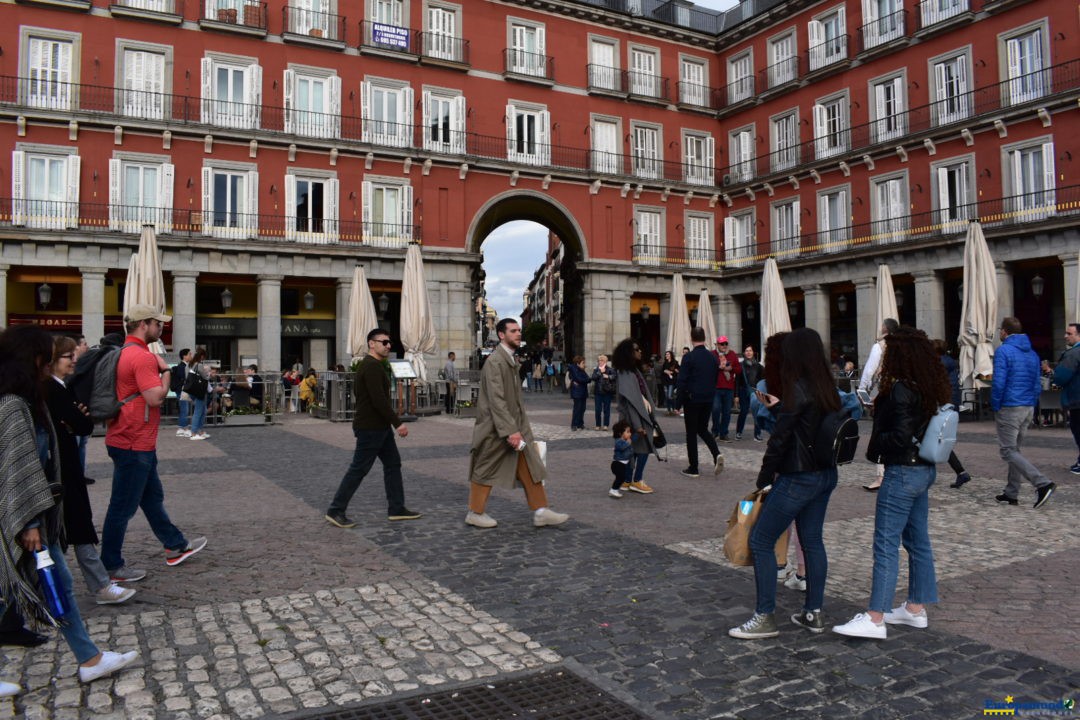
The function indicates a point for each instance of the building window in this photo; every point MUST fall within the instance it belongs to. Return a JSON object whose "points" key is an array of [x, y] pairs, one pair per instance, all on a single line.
{"points": [[833, 220], [740, 78], [693, 88], [739, 242], [644, 72], [318, 15], [828, 38], [605, 146], [952, 183], [45, 189], [444, 122], [527, 138], [388, 12], [1029, 78], [527, 50], [650, 235], [230, 202], [883, 22], [935, 11], [890, 109], [742, 155], [785, 226], [889, 209], [698, 154], [143, 84], [952, 100], [1032, 181], [699, 241], [312, 104], [783, 62], [831, 131], [140, 193], [603, 64], [311, 206], [444, 35], [387, 111], [785, 141], [231, 93], [49, 63], [387, 213], [645, 151]]}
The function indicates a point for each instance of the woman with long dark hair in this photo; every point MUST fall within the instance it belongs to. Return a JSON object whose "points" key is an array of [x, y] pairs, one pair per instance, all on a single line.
{"points": [[30, 516], [198, 405], [670, 377], [913, 385], [635, 406], [801, 487]]}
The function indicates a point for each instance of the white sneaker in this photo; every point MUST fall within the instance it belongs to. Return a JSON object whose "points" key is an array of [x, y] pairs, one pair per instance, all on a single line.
{"points": [[782, 572], [902, 616], [113, 594], [183, 432], [480, 520], [109, 663], [861, 626], [613, 493], [718, 464], [199, 436], [795, 582], [9, 689], [547, 516]]}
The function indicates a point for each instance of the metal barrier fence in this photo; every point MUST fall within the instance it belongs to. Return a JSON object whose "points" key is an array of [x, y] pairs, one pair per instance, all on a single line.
{"points": [[334, 398]]}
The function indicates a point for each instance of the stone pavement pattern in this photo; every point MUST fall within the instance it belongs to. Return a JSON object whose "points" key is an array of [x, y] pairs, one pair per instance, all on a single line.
{"points": [[284, 614]]}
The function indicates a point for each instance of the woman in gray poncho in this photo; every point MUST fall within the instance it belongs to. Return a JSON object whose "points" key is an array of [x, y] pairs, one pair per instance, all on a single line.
{"points": [[635, 407]]}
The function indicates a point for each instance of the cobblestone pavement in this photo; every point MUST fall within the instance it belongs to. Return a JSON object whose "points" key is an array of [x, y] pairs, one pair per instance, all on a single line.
{"points": [[283, 614]]}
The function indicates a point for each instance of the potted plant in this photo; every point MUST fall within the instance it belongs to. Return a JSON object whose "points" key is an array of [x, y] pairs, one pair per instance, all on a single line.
{"points": [[466, 409], [315, 32], [318, 411], [245, 416], [253, 15]]}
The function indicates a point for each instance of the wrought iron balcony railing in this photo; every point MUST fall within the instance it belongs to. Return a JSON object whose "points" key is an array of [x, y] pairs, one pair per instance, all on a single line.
{"points": [[164, 7], [441, 46], [606, 78], [646, 85], [883, 30], [827, 53], [782, 72], [529, 64], [236, 12], [320, 25], [697, 95], [933, 12]]}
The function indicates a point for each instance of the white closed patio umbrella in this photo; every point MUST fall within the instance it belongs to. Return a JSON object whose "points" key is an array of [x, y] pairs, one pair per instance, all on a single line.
{"points": [[705, 321], [978, 315], [128, 292], [886, 298], [362, 317], [678, 329], [145, 284], [417, 324], [774, 308]]}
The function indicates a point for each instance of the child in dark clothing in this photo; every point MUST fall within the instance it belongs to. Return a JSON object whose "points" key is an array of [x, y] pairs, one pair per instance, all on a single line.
{"points": [[621, 467]]}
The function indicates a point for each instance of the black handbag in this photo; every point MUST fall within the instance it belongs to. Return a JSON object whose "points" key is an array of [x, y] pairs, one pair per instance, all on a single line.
{"points": [[196, 385], [659, 440]]}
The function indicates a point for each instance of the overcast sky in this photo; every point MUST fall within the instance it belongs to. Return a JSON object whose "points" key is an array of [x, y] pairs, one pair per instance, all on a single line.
{"points": [[514, 251]]}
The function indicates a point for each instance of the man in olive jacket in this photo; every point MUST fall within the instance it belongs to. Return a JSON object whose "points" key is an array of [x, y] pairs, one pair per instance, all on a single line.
{"points": [[374, 422], [503, 453]]}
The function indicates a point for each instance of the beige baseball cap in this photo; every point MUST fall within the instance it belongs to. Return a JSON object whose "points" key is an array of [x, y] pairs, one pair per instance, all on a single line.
{"points": [[145, 312]]}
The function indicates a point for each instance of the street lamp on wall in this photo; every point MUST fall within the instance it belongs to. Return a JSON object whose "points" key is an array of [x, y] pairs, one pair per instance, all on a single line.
{"points": [[226, 299], [384, 305], [1038, 285], [750, 313], [841, 304], [309, 301], [44, 295], [644, 311], [899, 294], [793, 308]]}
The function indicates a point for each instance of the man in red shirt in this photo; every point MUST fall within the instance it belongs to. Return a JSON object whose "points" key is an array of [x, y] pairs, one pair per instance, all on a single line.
{"points": [[142, 378], [724, 398]]}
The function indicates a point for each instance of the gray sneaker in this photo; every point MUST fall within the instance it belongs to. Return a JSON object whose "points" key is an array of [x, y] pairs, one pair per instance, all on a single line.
{"points": [[758, 626], [126, 574], [809, 619]]}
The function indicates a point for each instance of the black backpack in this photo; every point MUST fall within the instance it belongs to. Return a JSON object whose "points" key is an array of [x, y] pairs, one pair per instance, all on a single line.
{"points": [[836, 439], [94, 382]]}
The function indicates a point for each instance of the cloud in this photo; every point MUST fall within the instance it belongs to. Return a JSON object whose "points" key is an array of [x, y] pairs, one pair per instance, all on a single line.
{"points": [[511, 255]]}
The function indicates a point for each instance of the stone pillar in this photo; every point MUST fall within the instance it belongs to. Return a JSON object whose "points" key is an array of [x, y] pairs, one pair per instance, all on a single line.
{"points": [[930, 304], [607, 318], [666, 301], [728, 321], [816, 307], [3, 296], [1006, 304], [183, 309], [270, 322], [866, 316], [341, 324], [93, 303], [1070, 265]]}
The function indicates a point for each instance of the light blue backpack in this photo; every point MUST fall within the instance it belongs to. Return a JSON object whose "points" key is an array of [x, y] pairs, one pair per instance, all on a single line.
{"points": [[938, 440]]}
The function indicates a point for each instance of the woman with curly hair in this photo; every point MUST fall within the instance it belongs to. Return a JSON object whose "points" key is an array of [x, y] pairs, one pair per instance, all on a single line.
{"points": [[635, 407], [913, 386]]}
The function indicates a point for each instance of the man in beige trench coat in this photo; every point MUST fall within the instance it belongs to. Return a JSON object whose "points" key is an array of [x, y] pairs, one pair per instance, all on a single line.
{"points": [[503, 453]]}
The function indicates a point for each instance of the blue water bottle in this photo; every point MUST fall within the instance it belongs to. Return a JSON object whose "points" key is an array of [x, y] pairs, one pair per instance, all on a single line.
{"points": [[51, 586]]}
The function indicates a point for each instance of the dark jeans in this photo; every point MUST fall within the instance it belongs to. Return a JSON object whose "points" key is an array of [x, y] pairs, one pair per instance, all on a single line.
{"points": [[623, 472], [721, 412], [696, 420], [744, 410], [135, 485], [371, 444], [577, 418], [804, 498], [1074, 425], [955, 464], [603, 409]]}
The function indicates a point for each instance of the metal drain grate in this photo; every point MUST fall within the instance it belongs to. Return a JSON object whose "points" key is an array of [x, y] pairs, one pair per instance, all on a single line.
{"points": [[543, 696]]}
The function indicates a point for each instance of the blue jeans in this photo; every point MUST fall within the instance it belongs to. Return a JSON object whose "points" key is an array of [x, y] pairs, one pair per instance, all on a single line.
{"points": [[669, 397], [639, 465], [371, 444], [72, 627], [603, 409], [804, 498], [577, 416], [83, 441], [185, 410], [135, 485], [198, 415], [903, 504], [721, 411], [744, 410]]}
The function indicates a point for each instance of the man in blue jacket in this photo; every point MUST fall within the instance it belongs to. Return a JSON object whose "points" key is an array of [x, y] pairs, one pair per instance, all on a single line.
{"points": [[696, 386], [1013, 395], [1067, 377]]}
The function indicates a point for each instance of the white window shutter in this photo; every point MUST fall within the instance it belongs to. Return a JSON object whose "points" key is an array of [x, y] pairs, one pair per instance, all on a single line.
{"points": [[870, 14], [746, 146], [331, 210], [1049, 175], [962, 185], [207, 70], [962, 78], [1018, 185], [289, 83], [729, 229], [796, 218], [941, 82], [365, 208], [407, 212], [405, 128], [898, 97], [253, 80], [365, 111], [544, 139], [841, 29], [333, 102], [1013, 50], [18, 188], [290, 208], [511, 130], [115, 209], [74, 163], [251, 203], [881, 112], [944, 206], [898, 204], [166, 184], [207, 200], [458, 114], [845, 214], [816, 32], [710, 157], [820, 131], [541, 43], [427, 119], [824, 224]]}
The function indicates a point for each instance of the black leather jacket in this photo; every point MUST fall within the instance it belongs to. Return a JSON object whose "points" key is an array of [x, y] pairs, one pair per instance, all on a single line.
{"points": [[788, 449], [898, 419]]}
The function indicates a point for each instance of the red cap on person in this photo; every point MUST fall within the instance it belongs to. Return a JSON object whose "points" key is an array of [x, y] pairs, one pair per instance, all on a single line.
{"points": [[722, 340]]}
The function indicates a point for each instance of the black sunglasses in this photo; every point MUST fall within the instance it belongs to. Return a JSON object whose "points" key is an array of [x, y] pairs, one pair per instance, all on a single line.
{"points": [[384, 342]]}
